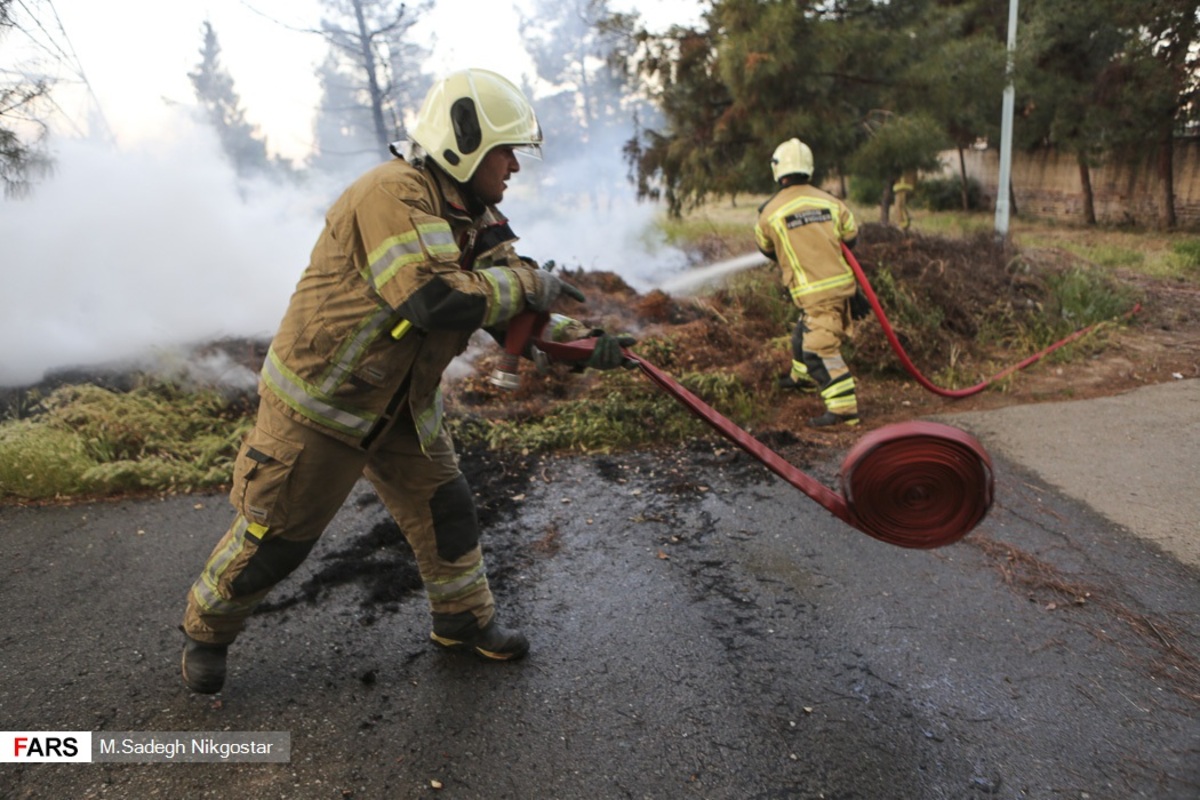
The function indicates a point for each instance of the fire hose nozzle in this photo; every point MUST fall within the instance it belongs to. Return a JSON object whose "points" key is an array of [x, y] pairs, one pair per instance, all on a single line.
{"points": [[506, 375], [541, 361], [518, 339]]}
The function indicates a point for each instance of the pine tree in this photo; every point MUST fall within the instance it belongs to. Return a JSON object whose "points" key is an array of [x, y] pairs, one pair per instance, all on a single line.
{"points": [[578, 48], [22, 131], [370, 77], [222, 108]]}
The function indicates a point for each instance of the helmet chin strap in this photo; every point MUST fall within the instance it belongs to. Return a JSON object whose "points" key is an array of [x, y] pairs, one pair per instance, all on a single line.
{"points": [[474, 205]]}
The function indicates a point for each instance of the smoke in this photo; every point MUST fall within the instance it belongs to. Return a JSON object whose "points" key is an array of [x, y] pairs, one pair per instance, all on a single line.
{"points": [[610, 233], [134, 258], [582, 213], [131, 255]]}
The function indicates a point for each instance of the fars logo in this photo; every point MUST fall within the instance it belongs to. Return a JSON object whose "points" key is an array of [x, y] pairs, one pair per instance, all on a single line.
{"points": [[23, 746]]}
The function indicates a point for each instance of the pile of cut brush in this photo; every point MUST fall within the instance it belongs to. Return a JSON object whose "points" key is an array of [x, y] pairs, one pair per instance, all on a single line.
{"points": [[949, 300]]}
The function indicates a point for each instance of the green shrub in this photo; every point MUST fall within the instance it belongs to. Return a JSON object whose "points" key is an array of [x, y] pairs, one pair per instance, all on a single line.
{"points": [[1113, 256], [868, 191], [1186, 254], [903, 308], [759, 294], [945, 194], [90, 440], [1078, 299], [39, 461], [633, 414]]}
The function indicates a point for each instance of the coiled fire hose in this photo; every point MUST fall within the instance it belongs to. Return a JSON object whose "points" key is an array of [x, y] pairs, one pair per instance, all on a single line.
{"points": [[912, 484], [912, 369]]}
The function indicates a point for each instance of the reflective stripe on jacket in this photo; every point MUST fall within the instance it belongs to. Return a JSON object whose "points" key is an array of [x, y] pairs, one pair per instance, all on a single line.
{"points": [[802, 228], [334, 363]]}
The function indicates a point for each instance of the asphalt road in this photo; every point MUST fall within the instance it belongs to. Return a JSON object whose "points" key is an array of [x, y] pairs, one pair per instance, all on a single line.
{"points": [[699, 629], [1134, 457]]}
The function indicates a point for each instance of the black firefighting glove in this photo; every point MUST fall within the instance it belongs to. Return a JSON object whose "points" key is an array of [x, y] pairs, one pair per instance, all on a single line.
{"points": [[548, 287], [860, 306], [607, 354]]}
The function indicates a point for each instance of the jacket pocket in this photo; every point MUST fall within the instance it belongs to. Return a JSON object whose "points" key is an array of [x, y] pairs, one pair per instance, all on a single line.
{"points": [[260, 479]]}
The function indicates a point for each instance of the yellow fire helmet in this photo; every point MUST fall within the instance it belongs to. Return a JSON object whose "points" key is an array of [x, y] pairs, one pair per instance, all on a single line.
{"points": [[468, 113], [792, 157]]}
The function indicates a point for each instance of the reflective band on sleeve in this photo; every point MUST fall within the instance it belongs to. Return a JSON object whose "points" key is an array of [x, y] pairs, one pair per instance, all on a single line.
{"points": [[506, 299], [304, 398], [410, 247], [559, 324], [760, 236]]}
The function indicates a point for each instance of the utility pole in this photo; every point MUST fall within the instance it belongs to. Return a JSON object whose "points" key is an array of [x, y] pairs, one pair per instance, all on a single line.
{"points": [[1006, 127]]}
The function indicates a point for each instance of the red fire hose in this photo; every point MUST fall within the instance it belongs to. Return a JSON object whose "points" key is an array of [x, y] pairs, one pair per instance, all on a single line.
{"points": [[913, 484], [912, 369]]}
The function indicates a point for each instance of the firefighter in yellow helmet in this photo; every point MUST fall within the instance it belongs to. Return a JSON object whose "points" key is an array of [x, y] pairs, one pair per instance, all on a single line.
{"points": [[413, 259], [802, 228], [901, 190]]}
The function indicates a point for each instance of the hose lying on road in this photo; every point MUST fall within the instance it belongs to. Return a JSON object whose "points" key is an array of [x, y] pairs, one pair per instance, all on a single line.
{"points": [[913, 484], [912, 369]]}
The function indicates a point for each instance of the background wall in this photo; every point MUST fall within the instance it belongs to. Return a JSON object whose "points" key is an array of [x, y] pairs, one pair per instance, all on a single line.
{"points": [[1047, 184]]}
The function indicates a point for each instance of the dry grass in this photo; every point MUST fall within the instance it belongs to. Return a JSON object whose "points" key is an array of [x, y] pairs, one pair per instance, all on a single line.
{"points": [[1171, 658]]}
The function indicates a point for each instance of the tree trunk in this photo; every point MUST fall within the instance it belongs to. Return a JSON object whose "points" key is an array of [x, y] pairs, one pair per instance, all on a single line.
{"points": [[368, 60], [1166, 173], [885, 203], [962, 176], [1089, 200]]}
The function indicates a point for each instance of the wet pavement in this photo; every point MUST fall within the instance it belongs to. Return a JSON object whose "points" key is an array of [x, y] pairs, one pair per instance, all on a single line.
{"points": [[699, 629]]}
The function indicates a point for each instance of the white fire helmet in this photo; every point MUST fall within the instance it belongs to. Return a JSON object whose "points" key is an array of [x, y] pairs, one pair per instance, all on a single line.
{"points": [[790, 158], [468, 113]]}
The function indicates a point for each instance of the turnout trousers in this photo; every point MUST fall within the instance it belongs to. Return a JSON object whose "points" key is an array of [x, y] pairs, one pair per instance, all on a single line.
{"points": [[817, 352], [289, 482]]}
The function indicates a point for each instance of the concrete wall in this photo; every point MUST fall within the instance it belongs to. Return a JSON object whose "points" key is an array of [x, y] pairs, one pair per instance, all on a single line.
{"points": [[1047, 184]]}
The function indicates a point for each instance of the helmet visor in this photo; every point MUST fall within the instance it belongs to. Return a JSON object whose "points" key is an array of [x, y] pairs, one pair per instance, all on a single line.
{"points": [[528, 149]]}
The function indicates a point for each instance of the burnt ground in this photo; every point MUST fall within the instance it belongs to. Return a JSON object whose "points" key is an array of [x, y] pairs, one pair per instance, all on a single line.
{"points": [[699, 630]]}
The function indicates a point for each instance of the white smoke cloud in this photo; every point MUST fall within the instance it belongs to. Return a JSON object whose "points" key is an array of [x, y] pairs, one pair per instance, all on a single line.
{"points": [[583, 213], [133, 257], [616, 235], [124, 253]]}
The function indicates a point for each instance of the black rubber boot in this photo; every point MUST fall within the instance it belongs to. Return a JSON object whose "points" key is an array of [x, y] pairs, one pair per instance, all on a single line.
{"points": [[462, 632], [830, 418], [803, 384], [204, 666]]}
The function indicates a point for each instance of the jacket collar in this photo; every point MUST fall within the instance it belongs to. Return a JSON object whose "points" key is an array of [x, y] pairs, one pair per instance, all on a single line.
{"points": [[457, 204]]}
